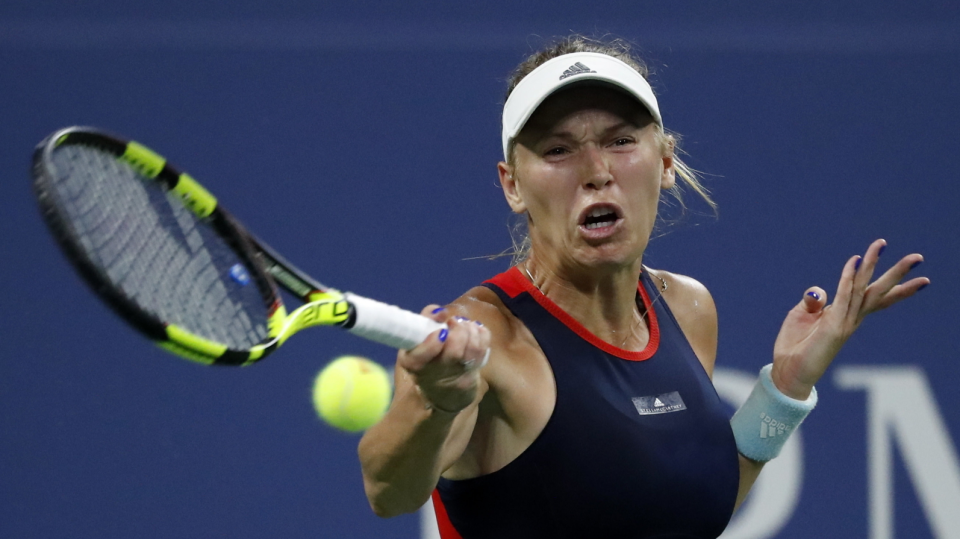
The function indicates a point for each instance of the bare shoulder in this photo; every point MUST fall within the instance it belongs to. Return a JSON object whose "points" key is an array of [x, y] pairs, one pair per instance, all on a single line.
{"points": [[483, 305], [683, 288], [508, 334], [693, 307]]}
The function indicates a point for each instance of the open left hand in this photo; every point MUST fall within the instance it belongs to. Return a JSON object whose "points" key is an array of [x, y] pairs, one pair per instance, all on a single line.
{"points": [[814, 332]]}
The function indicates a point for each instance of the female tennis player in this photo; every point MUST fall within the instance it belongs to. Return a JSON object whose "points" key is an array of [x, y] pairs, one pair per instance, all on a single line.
{"points": [[595, 415]]}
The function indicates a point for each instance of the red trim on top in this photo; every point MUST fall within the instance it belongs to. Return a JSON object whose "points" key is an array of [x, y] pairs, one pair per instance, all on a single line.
{"points": [[512, 282], [447, 531]]}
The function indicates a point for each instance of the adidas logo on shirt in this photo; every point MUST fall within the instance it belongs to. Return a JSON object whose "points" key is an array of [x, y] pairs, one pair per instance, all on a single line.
{"points": [[659, 404], [576, 69], [770, 427]]}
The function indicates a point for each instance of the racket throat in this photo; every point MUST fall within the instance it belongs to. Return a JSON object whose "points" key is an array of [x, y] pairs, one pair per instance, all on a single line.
{"points": [[328, 308]]}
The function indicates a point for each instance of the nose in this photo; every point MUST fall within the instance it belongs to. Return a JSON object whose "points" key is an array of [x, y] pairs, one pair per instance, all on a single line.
{"points": [[596, 170]]}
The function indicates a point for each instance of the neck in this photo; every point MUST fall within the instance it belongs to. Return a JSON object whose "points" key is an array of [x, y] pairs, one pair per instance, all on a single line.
{"points": [[603, 299]]}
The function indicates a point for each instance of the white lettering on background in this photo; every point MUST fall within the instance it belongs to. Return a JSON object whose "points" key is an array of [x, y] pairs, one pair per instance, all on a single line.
{"points": [[428, 522], [901, 408]]}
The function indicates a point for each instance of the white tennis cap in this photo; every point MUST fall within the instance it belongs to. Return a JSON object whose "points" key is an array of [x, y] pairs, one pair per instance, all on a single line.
{"points": [[567, 69]]}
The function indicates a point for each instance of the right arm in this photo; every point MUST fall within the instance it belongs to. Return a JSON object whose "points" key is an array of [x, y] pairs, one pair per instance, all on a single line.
{"points": [[430, 421]]}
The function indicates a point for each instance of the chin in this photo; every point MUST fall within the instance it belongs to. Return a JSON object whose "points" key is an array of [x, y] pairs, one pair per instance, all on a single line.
{"points": [[610, 257]]}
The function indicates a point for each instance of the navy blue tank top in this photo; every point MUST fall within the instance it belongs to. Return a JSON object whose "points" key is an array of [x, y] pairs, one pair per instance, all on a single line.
{"points": [[638, 445]]}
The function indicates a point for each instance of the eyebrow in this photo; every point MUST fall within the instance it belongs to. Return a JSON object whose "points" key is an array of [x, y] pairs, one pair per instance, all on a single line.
{"points": [[568, 135]]}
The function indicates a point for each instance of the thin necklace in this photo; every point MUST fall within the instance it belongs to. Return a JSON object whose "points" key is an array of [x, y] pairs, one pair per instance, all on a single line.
{"points": [[645, 309]]}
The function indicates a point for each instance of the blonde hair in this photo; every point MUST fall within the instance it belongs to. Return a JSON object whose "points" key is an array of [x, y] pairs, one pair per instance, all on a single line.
{"points": [[619, 49]]}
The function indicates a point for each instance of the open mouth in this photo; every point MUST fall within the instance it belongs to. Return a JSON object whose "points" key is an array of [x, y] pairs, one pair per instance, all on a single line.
{"points": [[600, 217]]}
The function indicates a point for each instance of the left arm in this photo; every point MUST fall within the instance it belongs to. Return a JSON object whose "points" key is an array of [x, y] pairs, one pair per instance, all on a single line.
{"points": [[813, 332]]}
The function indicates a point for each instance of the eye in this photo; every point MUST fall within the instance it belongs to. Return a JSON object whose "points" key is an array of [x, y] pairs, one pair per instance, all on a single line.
{"points": [[623, 141], [558, 150]]}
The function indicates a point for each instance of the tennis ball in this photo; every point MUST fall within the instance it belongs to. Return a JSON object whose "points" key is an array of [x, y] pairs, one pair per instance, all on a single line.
{"points": [[352, 393]]}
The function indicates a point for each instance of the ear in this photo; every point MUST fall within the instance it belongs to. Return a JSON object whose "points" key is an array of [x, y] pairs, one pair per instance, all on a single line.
{"points": [[668, 177], [511, 190]]}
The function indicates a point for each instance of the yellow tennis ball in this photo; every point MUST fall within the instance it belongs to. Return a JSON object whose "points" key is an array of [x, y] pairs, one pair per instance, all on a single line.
{"points": [[352, 393]]}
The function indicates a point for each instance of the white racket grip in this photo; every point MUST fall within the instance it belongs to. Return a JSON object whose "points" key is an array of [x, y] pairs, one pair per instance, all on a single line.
{"points": [[388, 324]]}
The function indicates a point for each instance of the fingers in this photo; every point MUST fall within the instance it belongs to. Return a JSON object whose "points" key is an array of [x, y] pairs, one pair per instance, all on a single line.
{"points": [[863, 273], [866, 265], [858, 297], [896, 273], [845, 288], [468, 342], [886, 291], [448, 352], [814, 332], [814, 300], [900, 292], [445, 366], [415, 359], [436, 312]]}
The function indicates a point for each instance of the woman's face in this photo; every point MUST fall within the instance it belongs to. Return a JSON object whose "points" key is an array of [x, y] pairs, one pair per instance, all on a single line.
{"points": [[588, 169]]}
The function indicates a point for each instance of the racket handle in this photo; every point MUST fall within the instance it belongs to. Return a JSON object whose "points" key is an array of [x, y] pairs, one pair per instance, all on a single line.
{"points": [[388, 324]]}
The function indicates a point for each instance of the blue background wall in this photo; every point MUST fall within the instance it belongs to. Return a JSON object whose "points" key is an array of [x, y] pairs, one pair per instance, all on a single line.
{"points": [[371, 130]]}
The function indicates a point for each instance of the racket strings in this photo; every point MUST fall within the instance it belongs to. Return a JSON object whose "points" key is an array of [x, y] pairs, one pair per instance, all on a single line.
{"points": [[154, 250]]}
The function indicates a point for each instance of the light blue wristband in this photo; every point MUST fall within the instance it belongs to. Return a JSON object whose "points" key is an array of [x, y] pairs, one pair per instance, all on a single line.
{"points": [[767, 419]]}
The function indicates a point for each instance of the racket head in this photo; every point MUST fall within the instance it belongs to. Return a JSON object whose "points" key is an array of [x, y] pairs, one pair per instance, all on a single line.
{"points": [[157, 248]]}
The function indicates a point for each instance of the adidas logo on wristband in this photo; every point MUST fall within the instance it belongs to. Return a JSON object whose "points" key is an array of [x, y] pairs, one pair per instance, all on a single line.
{"points": [[764, 401], [770, 427]]}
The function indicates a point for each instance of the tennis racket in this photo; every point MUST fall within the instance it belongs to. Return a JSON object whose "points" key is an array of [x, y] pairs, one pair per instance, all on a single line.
{"points": [[156, 246]]}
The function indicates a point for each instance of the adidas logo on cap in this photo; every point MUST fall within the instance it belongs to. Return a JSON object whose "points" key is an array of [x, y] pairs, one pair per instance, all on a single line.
{"points": [[576, 69]]}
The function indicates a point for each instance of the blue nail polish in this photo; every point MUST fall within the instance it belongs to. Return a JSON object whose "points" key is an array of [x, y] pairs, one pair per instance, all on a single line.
{"points": [[478, 323], [435, 311], [814, 295], [923, 286], [462, 319], [443, 335], [915, 264], [880, 252], [857, 265]]}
